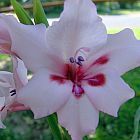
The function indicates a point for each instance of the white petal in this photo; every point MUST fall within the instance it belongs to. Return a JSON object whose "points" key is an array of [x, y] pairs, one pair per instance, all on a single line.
{"points": [[2, 101], [111, 96], [20, 73], [43, 95], [6, 82], [79, 117], [3, 115], [123, 51], [28, 41], [79, 27], [5, 42]]}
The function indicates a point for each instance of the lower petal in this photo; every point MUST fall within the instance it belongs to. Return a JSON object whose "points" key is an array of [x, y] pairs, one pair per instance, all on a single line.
{"points": [[79, 117], [43, 95], [111, 96]]}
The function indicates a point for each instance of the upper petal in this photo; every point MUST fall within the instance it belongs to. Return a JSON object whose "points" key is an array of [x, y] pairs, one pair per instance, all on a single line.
{"points": [[79, 117], [79, 27], [43, 95], [122, 51], [109, 97], [28, 42], [5, 41]]}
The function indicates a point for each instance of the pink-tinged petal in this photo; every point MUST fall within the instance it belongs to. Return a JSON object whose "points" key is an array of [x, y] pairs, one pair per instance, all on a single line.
{"points": [[4, 91], [3, 115], [79, 27], [2, 101], [43, 95], [128, 56], [28, 41], [19, 72], [122, 50], [121, 53], [79, 117], [5, 41], [6, 80], [109, 97], [17, 107]]}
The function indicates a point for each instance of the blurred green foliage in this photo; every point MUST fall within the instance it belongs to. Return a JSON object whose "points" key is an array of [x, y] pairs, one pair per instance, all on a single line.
{"points": [[4, 3], [103, 7], [22, 126]]}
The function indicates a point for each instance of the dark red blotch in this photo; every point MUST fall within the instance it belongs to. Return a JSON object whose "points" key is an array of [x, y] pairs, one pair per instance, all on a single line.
{"points": [[97, 80]]}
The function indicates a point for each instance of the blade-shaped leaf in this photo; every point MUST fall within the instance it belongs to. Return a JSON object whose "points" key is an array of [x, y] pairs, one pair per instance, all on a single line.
{"points": [[39, 14], [21, 13], [136, 125], [66, 136], [52, 121]]}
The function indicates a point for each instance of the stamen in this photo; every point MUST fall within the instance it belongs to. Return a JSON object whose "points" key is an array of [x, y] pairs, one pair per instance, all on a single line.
{"points": [[80, 58], [79, 63], [72, 60], [13, 92]]}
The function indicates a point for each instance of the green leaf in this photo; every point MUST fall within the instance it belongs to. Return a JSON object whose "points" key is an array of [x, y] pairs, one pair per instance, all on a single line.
{"points": [[136, 125], [66, 136], [55, 128], [21, 13], [39, 14], [85, 138]]}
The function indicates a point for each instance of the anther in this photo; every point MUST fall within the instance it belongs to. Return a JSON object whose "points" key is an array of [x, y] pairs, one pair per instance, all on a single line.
{"points": [[13, 92], [79, 63], [80, 58], [72, 60]]}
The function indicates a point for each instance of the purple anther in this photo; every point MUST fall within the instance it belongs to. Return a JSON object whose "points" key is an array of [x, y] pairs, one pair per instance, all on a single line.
{"points": [[79, 63], [72, 60], [13, 92], [80, 58]]}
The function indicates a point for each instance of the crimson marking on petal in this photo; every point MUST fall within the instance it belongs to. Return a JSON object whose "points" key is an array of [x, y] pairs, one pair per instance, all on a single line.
{"points": [[58, 79], [97, 80], [102, 60]]}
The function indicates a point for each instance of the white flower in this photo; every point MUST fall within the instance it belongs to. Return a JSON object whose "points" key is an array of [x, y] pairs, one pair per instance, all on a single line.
{"points": [[77, 67], [9, 87]]}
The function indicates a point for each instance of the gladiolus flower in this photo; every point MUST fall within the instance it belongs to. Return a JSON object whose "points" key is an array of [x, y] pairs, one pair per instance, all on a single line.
{"points": [[77, 67], [9, 87]]}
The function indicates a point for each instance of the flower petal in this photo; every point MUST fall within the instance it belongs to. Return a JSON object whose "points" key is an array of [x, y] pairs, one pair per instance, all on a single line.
{"points": [[79, 27], [122, 50], [78, 116], [6, 82], [20, 73], [5, 42], [2, 101], [128, 56], [28, 42], [111, 96], [3, 115], [43, 95]]}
